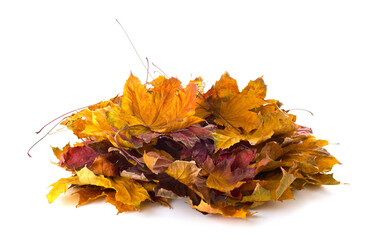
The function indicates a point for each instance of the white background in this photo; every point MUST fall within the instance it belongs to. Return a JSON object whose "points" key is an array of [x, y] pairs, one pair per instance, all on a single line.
{"points": [[56, 56]]}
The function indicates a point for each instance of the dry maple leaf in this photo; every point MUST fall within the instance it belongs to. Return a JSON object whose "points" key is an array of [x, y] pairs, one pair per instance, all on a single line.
{"points": [[164, 108]]}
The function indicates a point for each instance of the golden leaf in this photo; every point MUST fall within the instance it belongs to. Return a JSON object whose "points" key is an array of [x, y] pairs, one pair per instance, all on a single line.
{"points": [[235, 113], [226, 138], [60, 187], [259, 194], [90, 193], [256, 88], [226, 87], [164, 108], [57, 151], [221, 208], [127, 191], [286, 180], [184, 171]]}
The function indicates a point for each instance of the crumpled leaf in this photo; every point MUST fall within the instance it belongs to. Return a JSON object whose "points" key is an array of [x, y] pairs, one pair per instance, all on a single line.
{"points": [[60, 187], [245, 115], [193, 134], [127, 191], [58, 152], [90, 193], [259, 194], [92, 123], [157, 163], [230, 170], [174, 189], [286, 180], [199, 152], [76, 158], [226, 211], [183, 171], [101, 166]]}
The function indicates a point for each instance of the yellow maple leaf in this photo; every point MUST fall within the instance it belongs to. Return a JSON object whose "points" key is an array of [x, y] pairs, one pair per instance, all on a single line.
{"points": [[226, 138], [256, 88], [245, 115], [127, 191], [226, 87], [184, 171], [91, 121], [236, 113], [164, 108], [60, 187]]}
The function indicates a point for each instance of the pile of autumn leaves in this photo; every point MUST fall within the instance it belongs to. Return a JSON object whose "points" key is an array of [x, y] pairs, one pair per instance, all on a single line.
{"points": [[224, 150]]}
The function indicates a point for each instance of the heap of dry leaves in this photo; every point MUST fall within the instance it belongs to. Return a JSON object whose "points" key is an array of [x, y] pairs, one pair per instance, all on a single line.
{"points": [[224, 150]]}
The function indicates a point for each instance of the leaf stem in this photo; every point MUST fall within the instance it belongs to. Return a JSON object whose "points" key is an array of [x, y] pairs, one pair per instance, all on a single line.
{"points": [[160, 70], [134, 48]]}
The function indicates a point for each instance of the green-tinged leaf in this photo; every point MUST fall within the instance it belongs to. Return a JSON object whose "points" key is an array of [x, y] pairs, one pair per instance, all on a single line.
{"points": [[259, 194], [256, 88], [225, 139], [57, 151], [286, 180], [86, 176], [322, 179], [325, 163], [128, 191]]}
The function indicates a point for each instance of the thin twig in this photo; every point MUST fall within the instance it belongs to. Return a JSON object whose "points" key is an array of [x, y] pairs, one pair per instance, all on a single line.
{"points": [[43, 137], [147, 71], [134, 47], [60, 117], [160, 70], [302, 109]]}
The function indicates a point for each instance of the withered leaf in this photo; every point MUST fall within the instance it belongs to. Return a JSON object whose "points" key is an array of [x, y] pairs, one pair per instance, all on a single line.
{"points": [[193, 134], [101, 166], [221, 208], [58, 152], [76, 158], [156, 163], [286, 180], [127, 191], [183, 171], [164, 108]]}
